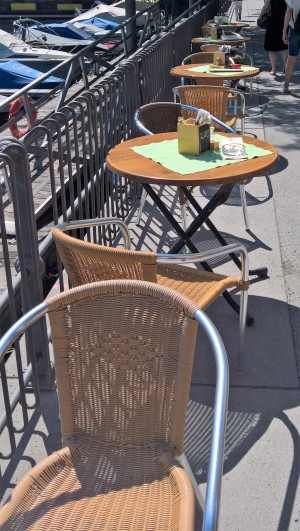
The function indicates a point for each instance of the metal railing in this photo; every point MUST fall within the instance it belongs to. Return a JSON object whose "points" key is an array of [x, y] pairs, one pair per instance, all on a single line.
{"points": [[64, 158]]}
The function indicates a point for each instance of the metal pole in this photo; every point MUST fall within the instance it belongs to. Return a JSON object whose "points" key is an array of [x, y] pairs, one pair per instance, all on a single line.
{"points": [[130, 11]]}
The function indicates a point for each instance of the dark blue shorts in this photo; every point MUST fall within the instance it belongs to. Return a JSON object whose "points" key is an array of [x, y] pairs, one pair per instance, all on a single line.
{"points": [[294, 43]]}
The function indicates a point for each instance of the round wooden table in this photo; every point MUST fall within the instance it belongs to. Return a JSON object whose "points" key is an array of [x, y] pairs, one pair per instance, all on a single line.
{"points": [[209, 40], [127, 163], [186, 72], [229, 26]]}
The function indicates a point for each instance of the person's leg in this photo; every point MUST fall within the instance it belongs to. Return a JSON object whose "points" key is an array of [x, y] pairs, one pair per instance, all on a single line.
{"points": [[289, 68], [273, 57], [236, 11], [239, 10], [293, 50], [284, 56]]}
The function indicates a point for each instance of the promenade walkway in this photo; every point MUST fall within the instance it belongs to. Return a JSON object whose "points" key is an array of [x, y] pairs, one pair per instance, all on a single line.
{"points": [[261, 489]]}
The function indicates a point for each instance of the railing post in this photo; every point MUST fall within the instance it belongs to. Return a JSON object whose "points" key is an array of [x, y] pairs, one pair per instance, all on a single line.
{"points": [[31, 265], [130, 11]]}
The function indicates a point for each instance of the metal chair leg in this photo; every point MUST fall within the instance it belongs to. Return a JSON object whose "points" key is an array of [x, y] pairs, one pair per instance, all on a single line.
{"points": [[183, 217], [141, 207], [244, 206], [243, 317], [182, 208]]}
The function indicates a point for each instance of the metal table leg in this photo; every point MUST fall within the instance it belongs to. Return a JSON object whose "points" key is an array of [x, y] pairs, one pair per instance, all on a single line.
{"points": [[261, 272]]}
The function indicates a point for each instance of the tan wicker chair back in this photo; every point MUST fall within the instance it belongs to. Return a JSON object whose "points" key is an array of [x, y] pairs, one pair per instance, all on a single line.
{"points": [[87, 262], [123, 356], [212, 99]]}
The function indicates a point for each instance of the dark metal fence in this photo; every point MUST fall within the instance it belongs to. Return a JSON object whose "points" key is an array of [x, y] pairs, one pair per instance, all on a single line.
{"points": [[56, 173]]}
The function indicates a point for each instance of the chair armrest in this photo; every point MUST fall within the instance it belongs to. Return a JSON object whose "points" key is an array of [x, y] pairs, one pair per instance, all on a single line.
{"points": [[193, 258], [186, 60], [241, 95], [139, 124], [87, 223], [211, 505], [215, 470], [19, 327]]}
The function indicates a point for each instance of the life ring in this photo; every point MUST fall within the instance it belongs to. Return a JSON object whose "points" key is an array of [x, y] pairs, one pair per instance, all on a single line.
{"points": [[15, 107]]}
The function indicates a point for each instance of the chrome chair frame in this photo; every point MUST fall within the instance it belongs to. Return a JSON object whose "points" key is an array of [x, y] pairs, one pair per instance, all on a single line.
{"points": [[210, 506], [182, 259]]}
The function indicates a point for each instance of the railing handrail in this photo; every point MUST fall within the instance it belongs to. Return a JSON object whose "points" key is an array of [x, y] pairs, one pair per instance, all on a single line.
{"points": [[81, 53]]}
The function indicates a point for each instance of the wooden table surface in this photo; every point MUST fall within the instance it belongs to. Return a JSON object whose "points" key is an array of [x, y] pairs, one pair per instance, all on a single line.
{"points": [[127, 163], [183, 71], [230, 25], [208, 40]]}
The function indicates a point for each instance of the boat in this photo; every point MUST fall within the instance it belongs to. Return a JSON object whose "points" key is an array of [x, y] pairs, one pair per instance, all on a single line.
{"points": [[15, 75], [61, 36], [42, 59], [110, 13]]}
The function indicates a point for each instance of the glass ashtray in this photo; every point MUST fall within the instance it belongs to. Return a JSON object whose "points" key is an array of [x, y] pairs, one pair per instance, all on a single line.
{"points": [[234, 150]]}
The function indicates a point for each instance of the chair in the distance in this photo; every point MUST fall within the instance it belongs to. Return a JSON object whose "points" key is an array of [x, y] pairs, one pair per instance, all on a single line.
{"points": [[123, 354], [237, 55], [199, 58], [86, 262], [214, 100]]}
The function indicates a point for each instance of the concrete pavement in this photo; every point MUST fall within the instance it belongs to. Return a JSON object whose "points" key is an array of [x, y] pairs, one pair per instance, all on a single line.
{"points": [[261, 473]]}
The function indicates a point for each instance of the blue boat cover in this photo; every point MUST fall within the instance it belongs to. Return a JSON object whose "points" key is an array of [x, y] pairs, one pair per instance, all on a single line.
{"points": [[62, 30], [102, 23], [16, 75]]}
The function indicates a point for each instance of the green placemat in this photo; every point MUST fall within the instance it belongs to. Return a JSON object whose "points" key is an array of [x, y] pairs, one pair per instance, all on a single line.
{"points": [[233, 72], [166, 154]]}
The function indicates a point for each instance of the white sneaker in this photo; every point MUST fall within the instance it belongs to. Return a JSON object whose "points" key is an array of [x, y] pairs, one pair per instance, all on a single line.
{"points": [[284, 88]]}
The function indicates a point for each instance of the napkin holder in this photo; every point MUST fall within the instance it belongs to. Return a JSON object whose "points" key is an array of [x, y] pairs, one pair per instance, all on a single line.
{"points": [[215, 32], [193, 139], [223, 58]]}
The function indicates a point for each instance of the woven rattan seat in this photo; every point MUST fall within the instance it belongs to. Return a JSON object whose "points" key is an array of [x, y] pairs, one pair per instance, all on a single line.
{"points": [[90, 262], [123, 355]]}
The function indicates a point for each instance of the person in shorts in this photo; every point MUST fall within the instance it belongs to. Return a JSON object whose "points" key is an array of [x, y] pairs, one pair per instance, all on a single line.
{"points": [[237, 5], [290, 38]]}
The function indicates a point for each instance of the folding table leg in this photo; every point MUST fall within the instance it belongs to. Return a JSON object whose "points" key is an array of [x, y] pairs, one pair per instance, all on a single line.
{"points": [[203, 217]]}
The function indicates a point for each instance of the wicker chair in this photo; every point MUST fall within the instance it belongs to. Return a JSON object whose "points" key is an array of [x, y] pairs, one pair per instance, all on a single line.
{"points": [[123, 356], [200, 58], [89, 262], [237, 55], [159, 117], [215, 101]]}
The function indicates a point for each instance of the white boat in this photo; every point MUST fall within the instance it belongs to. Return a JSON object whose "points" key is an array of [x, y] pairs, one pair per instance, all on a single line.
{"points": [[61, 36], [64, 36], [113, 13], [42, 59]]}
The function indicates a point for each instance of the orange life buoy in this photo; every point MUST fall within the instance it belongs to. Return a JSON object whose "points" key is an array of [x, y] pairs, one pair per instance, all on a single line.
{"points": [[15, 107]]}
